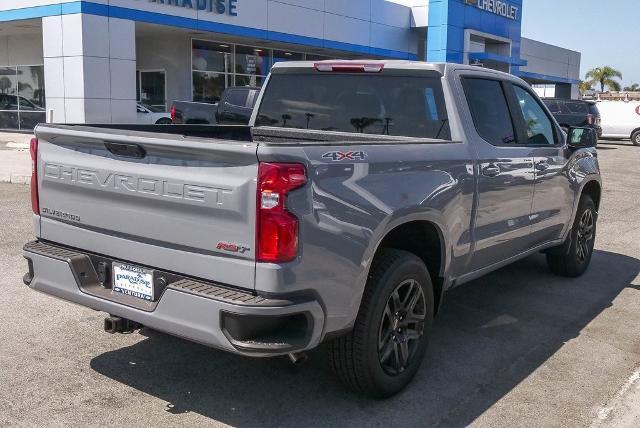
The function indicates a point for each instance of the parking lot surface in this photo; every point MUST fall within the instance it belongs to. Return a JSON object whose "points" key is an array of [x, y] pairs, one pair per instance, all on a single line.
{"points": [[519, 347]]}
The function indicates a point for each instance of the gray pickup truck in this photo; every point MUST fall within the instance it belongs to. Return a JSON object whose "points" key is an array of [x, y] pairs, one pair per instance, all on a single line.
{"points": [[361, 192]]}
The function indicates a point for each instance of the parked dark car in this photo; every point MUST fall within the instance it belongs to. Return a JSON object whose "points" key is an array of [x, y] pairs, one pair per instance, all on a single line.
{"points": [[571, 113], [16, 110], [234, 108], [236, 105]]}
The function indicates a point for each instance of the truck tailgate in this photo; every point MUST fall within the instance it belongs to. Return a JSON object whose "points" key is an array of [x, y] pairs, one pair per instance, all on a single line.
{"points": [[159, 200]]}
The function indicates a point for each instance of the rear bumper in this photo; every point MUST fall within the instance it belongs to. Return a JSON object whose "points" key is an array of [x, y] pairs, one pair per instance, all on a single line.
{"points": [[229, 319]]}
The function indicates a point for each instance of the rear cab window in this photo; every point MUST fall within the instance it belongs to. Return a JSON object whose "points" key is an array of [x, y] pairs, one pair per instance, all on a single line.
{"points": [[383, 104]]}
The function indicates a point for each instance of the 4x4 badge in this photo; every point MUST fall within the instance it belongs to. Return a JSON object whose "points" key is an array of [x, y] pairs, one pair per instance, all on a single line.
{"points": [[344, 156]]}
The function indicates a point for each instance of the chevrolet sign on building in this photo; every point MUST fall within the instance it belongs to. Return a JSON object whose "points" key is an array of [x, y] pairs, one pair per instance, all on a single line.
{"points": [[498, 7], [216, 6], [93, 61]]}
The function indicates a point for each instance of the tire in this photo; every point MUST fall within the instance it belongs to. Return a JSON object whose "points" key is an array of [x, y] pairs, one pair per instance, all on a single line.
{"points": [[635, 138], [164, 121], [573, 258], [357, 358]]}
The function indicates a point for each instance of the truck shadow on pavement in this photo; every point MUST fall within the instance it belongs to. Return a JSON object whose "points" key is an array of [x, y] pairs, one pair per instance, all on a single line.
{"points": [[490, 335]]}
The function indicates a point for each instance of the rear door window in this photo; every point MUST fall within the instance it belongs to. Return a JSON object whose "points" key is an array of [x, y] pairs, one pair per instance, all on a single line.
{"points": [[553, 106], [372, 104], [490, 111], [578, 108]]}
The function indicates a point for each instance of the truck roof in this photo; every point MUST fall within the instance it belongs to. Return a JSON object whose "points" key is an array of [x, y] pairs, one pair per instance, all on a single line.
{"points": [[441, 68]]}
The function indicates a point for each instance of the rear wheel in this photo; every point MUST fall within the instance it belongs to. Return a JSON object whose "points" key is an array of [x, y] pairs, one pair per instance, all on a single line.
{"points": [[383, 352], [635, 138], [573, 258], [163, 121]]}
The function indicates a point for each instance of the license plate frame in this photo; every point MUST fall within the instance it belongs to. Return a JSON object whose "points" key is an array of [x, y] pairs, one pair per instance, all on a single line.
{"points": [[132, 280]]}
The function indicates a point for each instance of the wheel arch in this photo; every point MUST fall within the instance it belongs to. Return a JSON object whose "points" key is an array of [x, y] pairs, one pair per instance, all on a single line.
{"points": [[593, 188], [426, 240]]}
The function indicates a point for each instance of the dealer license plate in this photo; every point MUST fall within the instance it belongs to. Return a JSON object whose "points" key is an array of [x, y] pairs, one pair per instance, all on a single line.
{"points": [[133, 280]]}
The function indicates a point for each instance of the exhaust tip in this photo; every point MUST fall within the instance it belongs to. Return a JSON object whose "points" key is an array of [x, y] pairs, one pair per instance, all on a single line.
{"points": [[298, 358]]}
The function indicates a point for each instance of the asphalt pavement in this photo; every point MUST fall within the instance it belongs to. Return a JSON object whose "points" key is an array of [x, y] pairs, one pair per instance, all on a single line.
{"points": [[15, 162], [519, 347]]}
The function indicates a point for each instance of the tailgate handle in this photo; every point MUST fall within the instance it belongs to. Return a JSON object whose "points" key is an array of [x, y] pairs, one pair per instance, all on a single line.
{"points": [[126, 150]]}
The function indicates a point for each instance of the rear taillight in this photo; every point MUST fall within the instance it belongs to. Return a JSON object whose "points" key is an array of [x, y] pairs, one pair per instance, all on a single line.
{"points": [[173, 113], [277, 228], [591, 119], [35, 202]]}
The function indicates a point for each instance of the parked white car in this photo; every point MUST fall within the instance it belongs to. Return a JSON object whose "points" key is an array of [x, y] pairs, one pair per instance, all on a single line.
{"points": [[151, 115], [620, 119]]}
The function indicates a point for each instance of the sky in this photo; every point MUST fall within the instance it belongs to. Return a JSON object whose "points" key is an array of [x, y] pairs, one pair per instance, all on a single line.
{"points": [[607, 32]]}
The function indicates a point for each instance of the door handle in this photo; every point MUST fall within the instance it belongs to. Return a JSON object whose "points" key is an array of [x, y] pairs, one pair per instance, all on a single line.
{"points": [[491, 170], [543, 165], [126, 150]]}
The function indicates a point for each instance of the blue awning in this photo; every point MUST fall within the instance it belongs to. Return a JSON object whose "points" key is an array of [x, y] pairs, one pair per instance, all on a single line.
{"points": [[545, 77], [483, 56]]}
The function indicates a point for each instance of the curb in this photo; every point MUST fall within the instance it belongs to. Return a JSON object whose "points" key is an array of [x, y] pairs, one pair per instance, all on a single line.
{"points": [[15, 179], [15, 166], [19, 146]]}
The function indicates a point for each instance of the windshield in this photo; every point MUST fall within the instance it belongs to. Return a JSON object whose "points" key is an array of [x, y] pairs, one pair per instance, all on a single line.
{"points": [[370, 104]]}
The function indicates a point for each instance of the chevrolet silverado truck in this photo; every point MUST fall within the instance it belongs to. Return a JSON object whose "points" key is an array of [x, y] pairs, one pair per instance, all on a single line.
{"points": [[359, 194]]}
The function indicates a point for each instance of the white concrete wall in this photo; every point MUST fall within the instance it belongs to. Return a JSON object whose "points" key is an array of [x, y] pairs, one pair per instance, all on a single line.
{"points": [[550, 60], [14, 4], [21, 49], [377, 23], [89, 68], [171, 53]]}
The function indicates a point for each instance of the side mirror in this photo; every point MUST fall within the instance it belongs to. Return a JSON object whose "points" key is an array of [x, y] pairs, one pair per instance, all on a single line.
{"points": [[582, 138]]}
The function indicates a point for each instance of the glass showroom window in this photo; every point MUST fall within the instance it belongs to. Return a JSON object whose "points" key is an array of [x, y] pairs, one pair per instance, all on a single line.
{"points": [[151, 89], [21, 97], [212, 71], [216, 66], [251, 65], [282, 56]]}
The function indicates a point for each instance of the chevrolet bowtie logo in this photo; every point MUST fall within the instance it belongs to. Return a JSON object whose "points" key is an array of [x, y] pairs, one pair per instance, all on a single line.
{"points": [[471, 2]]}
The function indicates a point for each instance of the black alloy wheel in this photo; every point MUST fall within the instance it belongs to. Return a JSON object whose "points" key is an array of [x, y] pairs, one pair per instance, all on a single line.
{"points": [[585, 236], [401, 327]]}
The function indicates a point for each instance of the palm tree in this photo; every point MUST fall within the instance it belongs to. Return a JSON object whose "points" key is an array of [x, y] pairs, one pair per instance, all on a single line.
{"points": [[585, 86], [605, 77], [633, 88]]}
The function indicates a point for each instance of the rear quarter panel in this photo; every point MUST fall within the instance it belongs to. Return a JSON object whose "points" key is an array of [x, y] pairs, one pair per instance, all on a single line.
{"points": [[348, 207]]}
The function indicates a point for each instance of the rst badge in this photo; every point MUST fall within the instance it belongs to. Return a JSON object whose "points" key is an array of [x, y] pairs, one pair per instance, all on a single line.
{"points": [[344, 156], [232, 248]]}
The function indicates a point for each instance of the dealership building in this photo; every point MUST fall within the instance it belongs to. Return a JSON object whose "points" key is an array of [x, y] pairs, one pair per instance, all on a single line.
{"points": [[92, 61]]}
